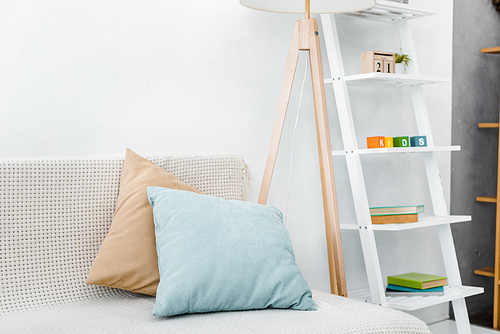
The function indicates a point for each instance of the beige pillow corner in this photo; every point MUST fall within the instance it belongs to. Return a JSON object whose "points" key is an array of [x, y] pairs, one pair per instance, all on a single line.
{"points": [[127, 258]]}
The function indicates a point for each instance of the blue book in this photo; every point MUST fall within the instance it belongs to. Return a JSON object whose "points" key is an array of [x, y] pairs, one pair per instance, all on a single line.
{"points": [[402, 291], [404, 288]]}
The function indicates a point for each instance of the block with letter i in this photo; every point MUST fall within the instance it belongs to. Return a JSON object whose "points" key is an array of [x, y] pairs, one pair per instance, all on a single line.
{"points": [[401, 141], [375, 142], [418, 141], [388, 142]]}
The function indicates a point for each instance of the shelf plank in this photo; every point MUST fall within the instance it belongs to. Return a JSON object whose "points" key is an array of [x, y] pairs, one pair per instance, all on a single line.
{"points": [[377, 79], [389, 11], [400, 150], [487, 271], [423, 221], [488, 125], [494, 50], [409, 149], [416, 303], [487, 199]]}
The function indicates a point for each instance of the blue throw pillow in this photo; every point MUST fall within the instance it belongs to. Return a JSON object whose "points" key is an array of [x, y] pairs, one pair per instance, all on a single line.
{"points": [[223, 255]]}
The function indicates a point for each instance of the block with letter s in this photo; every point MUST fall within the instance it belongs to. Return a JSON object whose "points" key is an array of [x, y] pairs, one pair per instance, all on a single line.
{"points": [[418, 141]]}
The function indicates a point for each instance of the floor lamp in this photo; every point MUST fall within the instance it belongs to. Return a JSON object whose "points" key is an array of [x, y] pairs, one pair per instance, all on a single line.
{"points": [[306, 38]]}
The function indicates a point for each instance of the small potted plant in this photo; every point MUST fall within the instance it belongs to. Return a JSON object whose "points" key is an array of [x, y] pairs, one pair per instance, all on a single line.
{"points": [[402, 62]]}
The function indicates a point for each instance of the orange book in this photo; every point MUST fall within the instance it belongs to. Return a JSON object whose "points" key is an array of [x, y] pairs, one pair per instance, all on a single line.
{"points": [[395, 219]]}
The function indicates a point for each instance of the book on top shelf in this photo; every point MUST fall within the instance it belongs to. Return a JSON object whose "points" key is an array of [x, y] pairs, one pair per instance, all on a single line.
{"points": [[395, 219], [417, 280], [396, 210]]}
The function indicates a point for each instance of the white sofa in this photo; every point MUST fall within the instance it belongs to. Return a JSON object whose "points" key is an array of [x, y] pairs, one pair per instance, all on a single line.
{"points": [[54, 214]]}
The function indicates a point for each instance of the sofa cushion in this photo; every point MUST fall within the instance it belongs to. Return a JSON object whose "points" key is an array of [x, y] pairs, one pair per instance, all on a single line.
{"points": [[223, 255], [127, 257], [132, 314]]}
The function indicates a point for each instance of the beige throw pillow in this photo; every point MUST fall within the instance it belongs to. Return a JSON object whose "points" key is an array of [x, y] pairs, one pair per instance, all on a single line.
{"points": [[127, 258]]}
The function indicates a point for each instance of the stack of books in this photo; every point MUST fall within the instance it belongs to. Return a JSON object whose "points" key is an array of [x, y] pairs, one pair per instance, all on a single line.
{"points": [[415, 284], [396, 214]]}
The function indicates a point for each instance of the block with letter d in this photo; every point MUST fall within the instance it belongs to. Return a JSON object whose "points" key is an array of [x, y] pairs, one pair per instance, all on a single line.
{"points": [[375, 142], [401, 141], [418, 141]]}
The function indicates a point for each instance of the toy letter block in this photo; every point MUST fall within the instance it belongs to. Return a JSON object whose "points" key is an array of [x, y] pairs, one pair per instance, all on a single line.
{"points": [[401, 141], [388, 142], [418, 141], [375, 142]]}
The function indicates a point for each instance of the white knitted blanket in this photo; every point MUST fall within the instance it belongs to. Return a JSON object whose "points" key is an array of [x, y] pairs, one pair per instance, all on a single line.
{"points": [[55, 213]]}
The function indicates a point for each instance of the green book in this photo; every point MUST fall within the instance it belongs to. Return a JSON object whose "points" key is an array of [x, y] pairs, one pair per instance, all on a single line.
{"points": [[417, 280]]}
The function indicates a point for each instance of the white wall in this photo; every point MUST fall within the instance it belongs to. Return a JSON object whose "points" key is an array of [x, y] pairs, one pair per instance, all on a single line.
{"points": [[95, 77]]}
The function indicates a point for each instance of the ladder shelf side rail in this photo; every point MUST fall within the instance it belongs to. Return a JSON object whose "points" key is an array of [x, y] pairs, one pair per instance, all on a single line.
{"points": [[356, 179]]}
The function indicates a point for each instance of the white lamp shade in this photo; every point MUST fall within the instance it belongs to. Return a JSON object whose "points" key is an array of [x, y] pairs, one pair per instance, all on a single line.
{"points": [[317, 6]]}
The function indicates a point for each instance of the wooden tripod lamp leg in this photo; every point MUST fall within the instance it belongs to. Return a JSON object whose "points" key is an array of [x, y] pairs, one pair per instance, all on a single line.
{"points": [[286, 90], [305, 37], [332, 224]]}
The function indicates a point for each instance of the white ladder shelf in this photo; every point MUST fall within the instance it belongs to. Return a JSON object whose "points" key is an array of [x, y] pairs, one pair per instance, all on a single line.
{"points": [[455, 292]]}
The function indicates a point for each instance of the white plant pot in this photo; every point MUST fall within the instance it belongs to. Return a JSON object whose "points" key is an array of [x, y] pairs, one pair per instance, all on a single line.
{"points": [[400, 68]]}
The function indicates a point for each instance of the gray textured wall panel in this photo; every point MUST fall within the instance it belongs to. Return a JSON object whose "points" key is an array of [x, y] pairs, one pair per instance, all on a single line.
{"points": [[475, 94]]}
